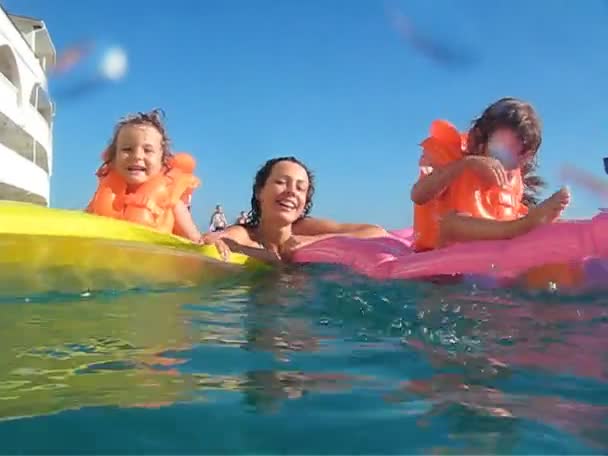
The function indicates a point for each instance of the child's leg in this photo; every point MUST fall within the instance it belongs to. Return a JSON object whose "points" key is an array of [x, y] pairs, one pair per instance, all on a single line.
{"points": [[462, 228]]}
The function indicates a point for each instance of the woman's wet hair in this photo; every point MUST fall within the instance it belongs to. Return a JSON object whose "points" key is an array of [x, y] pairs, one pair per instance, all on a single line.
{"points": [[154, 118], [261, 177], [519, 116]]}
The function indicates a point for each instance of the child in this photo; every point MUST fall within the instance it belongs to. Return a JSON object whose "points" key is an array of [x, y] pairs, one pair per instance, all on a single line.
{"points": [[480, 187], [142, 182]]}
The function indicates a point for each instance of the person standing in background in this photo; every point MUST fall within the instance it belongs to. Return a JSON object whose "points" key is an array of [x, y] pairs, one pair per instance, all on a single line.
{"points": [[218, 220], [242, 219]]}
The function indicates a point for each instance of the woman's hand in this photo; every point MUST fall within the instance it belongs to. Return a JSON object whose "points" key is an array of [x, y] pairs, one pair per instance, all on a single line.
{"points": [[209, 238], [223, 249], [220, 244]]}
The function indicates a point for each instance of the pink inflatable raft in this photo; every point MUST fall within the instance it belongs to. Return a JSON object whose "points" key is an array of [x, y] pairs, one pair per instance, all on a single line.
{"points": [[566, 254]]}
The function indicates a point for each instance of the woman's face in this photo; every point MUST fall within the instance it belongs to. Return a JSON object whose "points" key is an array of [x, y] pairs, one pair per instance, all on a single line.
{"points": [[283, 197]]}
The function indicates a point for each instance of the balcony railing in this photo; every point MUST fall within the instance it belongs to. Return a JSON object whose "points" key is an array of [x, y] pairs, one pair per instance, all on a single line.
{"points": [[8, 90], [15, 138], [38, 124]]}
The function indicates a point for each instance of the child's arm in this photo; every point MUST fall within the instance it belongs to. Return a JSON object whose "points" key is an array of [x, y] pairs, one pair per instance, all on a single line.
{"points": [[430, 186], [311, 226], [184, 223]]}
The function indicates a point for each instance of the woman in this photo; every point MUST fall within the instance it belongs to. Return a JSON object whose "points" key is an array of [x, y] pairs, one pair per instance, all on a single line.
{"points": [[279, 223]]}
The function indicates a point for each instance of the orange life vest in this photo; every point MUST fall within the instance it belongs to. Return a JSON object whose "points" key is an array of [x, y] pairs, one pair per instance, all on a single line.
{"points": [[466, 194], [153, 202]]}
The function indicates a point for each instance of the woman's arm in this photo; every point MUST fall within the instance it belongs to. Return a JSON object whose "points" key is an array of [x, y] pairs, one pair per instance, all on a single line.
{"points": [[236, 239], [254, 252], [311, 226]]}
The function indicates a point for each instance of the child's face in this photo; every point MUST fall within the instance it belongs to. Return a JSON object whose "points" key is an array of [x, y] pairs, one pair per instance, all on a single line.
{"points": [[505, 145], [508, 139], [139, 153]]}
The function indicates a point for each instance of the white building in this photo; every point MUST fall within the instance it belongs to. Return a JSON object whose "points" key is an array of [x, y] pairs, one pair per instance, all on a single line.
{"points": [[26, 111]]}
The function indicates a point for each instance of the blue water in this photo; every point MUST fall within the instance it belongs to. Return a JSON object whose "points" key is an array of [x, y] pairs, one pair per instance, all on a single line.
{"points": [[310, 361]]}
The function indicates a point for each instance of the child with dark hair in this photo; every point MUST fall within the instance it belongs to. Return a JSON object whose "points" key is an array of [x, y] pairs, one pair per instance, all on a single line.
{"points": [[481, 185]]}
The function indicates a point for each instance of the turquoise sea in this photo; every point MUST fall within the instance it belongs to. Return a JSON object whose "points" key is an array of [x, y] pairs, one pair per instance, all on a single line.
{"points": [[312, 360]]}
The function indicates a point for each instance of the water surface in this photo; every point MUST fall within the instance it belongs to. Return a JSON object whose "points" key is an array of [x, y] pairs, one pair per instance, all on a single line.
{"points": [[310, 361]]}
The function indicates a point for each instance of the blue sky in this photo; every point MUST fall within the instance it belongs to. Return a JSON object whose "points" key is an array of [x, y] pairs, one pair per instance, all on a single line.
{"points": [[331, 82]]}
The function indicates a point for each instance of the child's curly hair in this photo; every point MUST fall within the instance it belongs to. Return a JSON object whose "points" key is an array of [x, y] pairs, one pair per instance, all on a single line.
{"points": [[152, 118], [521, 117]]}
